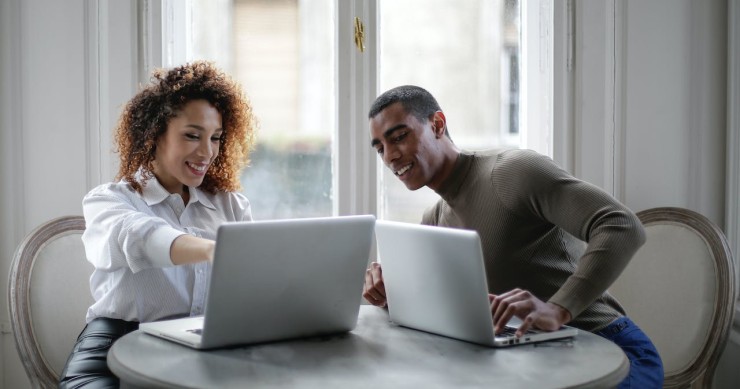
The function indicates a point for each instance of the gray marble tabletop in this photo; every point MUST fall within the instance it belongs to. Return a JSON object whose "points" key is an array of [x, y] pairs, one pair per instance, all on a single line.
{"points": [[376, 354]]}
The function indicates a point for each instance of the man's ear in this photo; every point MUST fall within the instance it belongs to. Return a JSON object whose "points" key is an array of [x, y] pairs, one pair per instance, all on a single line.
{"points": [[439, 124]]}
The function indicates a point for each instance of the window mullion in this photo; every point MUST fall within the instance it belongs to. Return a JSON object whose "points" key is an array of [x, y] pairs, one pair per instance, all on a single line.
{"points": [[355, 187], [562, 101], [537, 76], [597, 134], [164, 36]]}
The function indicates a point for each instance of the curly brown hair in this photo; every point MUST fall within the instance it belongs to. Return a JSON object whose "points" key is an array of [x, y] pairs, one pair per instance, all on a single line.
{"points": [[144, 120]]}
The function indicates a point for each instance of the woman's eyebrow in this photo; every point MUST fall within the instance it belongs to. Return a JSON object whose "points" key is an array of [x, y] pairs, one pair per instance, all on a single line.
{"points": [[200, 128]]}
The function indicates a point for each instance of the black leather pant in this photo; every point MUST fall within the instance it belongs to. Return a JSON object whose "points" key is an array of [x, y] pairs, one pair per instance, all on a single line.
{"points": [[87, 367]]}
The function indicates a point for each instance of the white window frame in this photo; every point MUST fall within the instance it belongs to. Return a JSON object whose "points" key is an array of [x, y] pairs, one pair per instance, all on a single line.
{"points": [[536, 74], [563, 84], [111, 60], [355, 182], [597, 139], [355, 179], [161, 22]]}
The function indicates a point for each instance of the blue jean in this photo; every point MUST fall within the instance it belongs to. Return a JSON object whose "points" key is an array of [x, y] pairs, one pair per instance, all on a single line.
{"points": [[646, 368]]}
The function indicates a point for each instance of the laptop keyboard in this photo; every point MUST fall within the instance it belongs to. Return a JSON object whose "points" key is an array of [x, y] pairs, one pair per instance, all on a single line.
{"points": [[511, 331]]}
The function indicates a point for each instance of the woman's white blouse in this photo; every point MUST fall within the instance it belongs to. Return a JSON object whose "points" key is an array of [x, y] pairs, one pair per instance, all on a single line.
{"points": [[128, 237]]}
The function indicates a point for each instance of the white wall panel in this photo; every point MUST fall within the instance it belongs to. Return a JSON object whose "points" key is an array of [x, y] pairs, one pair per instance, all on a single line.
{"points": [[670, 109], [10, 169], [649, 101], [594, 93], [53, 108], [66, 69], [657, 103], [674, 105]]}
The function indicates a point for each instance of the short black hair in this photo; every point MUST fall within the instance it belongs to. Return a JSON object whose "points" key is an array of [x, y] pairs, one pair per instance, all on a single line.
{"points": [[415, 100]]}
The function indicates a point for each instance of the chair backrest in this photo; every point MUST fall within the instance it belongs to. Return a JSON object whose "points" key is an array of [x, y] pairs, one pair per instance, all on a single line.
{"points": [[49, 296], [680, 289]]}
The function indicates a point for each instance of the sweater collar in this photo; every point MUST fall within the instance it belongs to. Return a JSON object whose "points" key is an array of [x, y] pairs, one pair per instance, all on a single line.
{"points": [[449, 189]]}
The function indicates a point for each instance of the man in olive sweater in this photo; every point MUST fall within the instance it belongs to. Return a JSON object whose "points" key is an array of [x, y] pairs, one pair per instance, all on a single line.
{"points": [[533, 219]]}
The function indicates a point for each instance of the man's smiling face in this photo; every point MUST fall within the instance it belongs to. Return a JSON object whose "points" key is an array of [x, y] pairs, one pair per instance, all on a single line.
{"points": [[407, 146]]}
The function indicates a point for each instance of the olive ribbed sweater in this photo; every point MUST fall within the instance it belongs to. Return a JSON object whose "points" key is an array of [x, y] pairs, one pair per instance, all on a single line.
{"points": [[532, 218]]}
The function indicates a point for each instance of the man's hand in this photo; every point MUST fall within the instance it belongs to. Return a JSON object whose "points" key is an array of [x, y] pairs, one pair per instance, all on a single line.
{"points": [[531, 310], [374, 289]]}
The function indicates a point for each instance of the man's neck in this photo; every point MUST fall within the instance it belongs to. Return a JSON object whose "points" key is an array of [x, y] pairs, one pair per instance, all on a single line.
{"points": [[450, 156]]}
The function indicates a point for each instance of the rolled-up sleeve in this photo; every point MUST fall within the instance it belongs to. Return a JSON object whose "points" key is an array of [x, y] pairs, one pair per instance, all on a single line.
{"points": [[119, 235]]}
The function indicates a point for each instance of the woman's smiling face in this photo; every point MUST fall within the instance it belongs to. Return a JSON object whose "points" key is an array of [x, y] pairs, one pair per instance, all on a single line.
{"points": [[188, 147]]}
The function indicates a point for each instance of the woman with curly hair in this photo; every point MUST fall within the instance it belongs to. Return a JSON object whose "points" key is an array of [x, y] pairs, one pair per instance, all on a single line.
{"points": [[183, 141]]}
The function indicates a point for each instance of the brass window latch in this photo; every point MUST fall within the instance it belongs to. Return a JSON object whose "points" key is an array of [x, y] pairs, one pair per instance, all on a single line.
{"points": [[359, 35]]}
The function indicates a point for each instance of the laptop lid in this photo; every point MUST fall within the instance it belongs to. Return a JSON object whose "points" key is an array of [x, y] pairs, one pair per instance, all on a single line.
{"points": [[280, 279], [435, 282]]}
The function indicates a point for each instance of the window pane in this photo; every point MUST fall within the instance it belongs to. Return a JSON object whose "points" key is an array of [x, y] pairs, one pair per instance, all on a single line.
{"points": [[466, 53], [282, 52]]}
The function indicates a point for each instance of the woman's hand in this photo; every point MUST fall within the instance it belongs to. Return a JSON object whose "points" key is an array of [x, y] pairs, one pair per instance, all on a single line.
{"points": [[188, 249]]}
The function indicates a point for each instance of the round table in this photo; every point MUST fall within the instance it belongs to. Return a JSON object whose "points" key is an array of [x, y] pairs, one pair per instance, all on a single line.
{"points": [[376, 354]]}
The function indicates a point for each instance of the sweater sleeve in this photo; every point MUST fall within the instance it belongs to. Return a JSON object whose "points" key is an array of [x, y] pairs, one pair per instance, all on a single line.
{"points": [[543, 191]]}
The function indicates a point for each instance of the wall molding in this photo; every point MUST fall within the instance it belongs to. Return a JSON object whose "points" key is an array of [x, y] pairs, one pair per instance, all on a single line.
{"points": [[598, 112], [16, 120], [92, 91], [732, 218], [13, 215], [618, 111], [12, 151]]}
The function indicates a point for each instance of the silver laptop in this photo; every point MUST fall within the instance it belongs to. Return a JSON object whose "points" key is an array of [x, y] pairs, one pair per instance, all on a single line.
{"points": [[435, 282], [278, 280]]}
